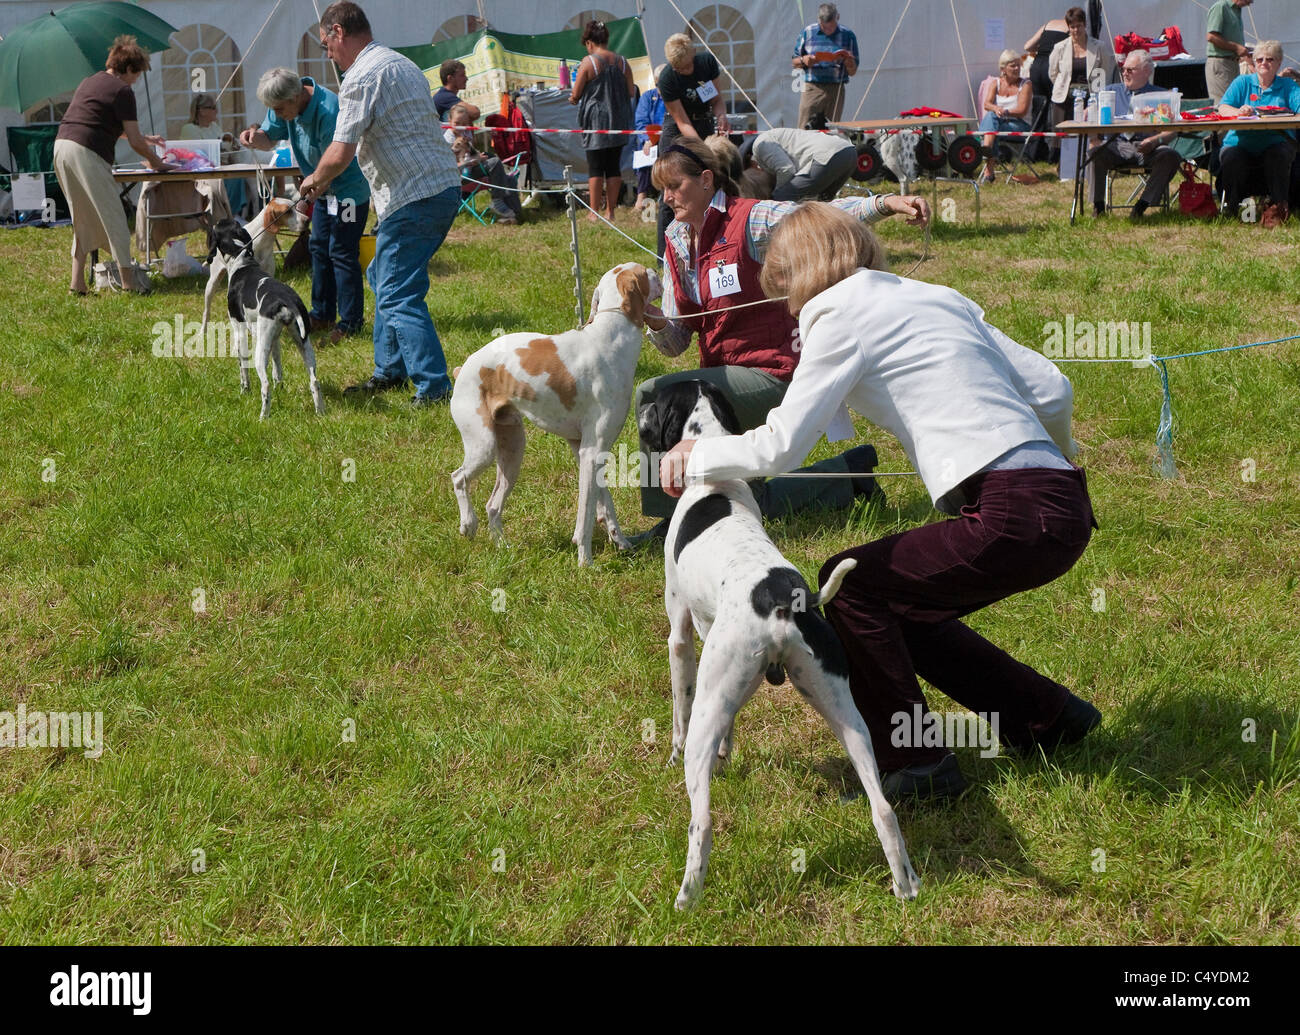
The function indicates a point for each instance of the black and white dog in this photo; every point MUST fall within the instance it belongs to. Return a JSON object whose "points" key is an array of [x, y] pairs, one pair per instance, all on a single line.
{"points": [[755, 615], [262, 304]]}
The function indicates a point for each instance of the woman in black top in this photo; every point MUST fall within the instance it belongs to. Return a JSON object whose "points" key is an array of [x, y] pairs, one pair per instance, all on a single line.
{"points": [[603, 92], [693, 104]]}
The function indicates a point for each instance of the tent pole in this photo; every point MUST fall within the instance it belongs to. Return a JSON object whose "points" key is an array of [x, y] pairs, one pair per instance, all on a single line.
{"points": [[640, 19]]}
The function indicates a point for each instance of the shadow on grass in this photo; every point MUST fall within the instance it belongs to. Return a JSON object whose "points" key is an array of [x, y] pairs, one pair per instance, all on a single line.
{"points": [[1157, 747], [944, 839]]}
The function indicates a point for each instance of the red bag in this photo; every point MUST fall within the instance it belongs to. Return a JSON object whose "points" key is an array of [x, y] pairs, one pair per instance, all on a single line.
{"points": [[1195, 198], [1168, 44]]}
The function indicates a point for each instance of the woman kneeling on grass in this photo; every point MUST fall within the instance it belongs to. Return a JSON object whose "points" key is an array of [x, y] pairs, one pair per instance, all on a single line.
{"points": [[986, 424]]}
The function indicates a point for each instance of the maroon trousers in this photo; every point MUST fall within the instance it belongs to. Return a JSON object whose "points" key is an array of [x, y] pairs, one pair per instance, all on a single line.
{"points": [[897, 611]]}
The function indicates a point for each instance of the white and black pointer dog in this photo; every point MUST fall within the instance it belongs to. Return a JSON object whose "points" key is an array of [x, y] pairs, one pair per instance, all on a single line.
{"points": [[260, 304], [755, 615], [279, 214], [577, 385]]}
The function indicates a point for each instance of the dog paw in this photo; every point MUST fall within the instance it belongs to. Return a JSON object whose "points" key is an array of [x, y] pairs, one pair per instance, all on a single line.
{"points": [[909, 889], [675, 758]]}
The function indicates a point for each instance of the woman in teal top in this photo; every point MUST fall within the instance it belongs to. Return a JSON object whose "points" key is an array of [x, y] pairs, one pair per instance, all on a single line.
{"points": [[1271, 151], [304, 113]]}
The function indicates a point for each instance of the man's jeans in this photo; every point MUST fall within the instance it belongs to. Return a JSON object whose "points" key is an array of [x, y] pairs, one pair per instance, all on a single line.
{"points": [[335, 246], [406, 345]]}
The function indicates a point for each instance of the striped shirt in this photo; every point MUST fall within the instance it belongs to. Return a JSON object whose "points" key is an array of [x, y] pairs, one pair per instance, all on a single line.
{"points": [[675, 337], [385, 108]]}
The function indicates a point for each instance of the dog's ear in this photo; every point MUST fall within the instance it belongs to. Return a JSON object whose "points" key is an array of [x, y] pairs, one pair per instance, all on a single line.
{"points": [[649, 423], [595, 305], [722, 408], [633, 287]]}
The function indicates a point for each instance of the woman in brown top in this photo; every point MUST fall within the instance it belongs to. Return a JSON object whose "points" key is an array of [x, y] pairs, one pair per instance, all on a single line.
{"points": [[102, 109]]}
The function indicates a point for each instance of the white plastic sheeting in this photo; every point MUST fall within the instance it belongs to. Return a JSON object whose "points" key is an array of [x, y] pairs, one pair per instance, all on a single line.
{"points": [[923, 65]]}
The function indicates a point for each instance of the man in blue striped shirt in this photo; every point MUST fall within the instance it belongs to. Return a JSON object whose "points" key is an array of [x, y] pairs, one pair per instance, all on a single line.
{"points": [[388, 121], [828, 54]]}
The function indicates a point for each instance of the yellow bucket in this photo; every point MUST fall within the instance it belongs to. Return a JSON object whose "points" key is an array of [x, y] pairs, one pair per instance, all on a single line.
{"points": [[367, 250]]}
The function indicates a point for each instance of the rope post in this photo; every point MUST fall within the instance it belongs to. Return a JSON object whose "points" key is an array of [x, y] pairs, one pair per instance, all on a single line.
{"points": [[573, 241]]}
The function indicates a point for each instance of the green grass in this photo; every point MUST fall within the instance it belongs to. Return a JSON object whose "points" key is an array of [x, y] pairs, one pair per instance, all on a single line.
{"points": [[516, 736]]}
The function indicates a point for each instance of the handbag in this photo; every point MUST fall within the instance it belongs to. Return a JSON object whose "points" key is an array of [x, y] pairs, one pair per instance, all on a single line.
{"points": [[1195, 198]]}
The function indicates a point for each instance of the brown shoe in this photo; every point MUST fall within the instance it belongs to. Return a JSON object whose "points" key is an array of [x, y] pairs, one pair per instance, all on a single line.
{"points": [[338, 334], [1275, 215], [316, 325]]}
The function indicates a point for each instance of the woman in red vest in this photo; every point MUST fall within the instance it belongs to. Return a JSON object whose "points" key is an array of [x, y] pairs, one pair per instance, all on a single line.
{"points": [[714, 253]]}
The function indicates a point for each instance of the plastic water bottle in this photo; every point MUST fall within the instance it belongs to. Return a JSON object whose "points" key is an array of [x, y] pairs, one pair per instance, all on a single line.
{"points": [[564, 75], [1093, 113], [1176, 103], [1080, 106]]}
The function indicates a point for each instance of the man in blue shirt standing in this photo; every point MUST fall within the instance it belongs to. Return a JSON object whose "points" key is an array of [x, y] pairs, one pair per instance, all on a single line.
{"points": [[824, 81], [304, 113]]}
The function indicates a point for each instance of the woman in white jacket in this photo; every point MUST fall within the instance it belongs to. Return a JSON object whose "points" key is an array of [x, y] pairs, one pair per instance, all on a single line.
{"points": [[1077, 61], [986, 424]]}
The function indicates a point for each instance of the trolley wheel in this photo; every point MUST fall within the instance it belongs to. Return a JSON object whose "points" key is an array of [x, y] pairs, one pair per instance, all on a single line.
{"points": [[965, 155], [929, 156], [870, 167]]}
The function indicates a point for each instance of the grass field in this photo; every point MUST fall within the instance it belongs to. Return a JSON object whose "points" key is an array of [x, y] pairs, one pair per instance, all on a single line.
{"points": [[349, 744]]}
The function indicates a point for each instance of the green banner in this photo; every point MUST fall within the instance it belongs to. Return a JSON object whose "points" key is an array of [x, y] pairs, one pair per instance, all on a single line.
{"points": [[498, 62]]}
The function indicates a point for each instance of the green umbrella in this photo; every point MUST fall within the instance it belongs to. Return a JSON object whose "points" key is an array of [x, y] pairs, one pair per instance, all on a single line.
{"points": [[58, 50]]}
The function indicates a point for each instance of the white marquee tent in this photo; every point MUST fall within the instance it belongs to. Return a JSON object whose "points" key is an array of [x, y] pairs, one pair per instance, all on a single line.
{"points": [[224, 46]]}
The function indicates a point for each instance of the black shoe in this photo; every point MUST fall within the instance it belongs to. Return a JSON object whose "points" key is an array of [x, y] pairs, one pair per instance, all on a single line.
{"points": [[862, 460], [655, 533], [420, 401], [1098, 211], [941, 779], [1139, 207], [1077, 719], [375, 384]]}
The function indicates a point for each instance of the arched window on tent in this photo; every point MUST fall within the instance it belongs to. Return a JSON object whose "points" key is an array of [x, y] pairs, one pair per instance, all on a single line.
{"points": [[461, 25], [313, 62], [202, 59], [579, 21], [731, 38], [51, 110]]}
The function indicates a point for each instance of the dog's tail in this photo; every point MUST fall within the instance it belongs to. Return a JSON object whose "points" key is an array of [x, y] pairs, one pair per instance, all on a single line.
{"points": [[833, 584], [793, 623]]}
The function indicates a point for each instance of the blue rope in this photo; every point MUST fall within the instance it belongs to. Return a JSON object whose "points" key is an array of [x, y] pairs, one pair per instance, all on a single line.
{"points": [[1164, 460], [1230, 348]]}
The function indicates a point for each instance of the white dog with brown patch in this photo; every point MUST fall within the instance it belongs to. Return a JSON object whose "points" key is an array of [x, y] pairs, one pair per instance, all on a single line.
{"points": [[577, 385]]}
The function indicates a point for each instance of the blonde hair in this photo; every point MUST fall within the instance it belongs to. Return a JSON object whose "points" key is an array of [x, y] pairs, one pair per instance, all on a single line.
{"points": [[679, 49], [1269, 47], [813, 248], [459, 110], [673, 166], [1006, 57], [728, 154]]}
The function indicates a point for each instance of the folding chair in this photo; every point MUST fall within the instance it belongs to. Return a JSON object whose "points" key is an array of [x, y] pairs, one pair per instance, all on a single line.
{"points": [[475, 198], [1191, 147], [1038, 109]]}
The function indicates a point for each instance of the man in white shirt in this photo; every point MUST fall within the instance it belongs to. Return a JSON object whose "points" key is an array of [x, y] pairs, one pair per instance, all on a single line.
{"points": [[388, 121]]}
